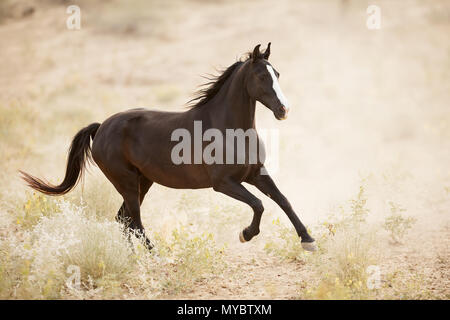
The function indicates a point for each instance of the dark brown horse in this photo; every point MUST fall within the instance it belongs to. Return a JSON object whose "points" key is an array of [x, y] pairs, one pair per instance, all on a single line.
{"points": [[134, 149]]}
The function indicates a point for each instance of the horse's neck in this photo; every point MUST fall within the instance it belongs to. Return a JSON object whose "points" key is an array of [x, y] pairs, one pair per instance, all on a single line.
{"points": [[233, 107]]}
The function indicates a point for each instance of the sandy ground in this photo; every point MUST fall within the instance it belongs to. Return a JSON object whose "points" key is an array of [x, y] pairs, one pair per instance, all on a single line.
{"points": [[370, 104]]}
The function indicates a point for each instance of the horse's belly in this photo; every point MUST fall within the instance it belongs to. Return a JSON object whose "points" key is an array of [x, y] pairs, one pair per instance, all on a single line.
{"points": [[181, 176]]}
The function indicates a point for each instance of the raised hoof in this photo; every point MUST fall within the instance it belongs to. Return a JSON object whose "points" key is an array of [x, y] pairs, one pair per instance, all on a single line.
{"points": [[309, 246], [241, 237]]}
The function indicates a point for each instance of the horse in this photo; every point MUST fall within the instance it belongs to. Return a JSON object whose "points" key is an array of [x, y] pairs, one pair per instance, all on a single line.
{"points": [[134, 148]]}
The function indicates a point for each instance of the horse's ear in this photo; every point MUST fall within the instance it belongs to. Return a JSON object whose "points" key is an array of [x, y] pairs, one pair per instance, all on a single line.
{"points": [[266, 53], [256, 54]]}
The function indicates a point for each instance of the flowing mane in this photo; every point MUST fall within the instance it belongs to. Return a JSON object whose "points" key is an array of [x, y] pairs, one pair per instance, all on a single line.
{"points": [[212, 87]]}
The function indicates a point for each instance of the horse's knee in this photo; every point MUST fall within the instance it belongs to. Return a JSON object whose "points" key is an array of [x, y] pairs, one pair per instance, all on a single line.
{"points": [[257, 206]]}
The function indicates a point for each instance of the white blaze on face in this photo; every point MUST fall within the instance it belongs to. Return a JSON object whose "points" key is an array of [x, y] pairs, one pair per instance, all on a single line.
{"points": [[277, 89]]}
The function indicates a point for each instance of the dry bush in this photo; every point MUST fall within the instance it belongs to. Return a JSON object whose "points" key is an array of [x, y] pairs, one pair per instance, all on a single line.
{"points": [[396, 224], [37, 263], [98, 248], [97, 196], [179, 261], [287, 244], [35, 207], [343, 264], [67, 238], [347, 247]]}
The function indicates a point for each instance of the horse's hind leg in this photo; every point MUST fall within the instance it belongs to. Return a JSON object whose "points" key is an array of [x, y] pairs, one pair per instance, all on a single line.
{"points": [[144, 185], [132, 206], [130, 183]]}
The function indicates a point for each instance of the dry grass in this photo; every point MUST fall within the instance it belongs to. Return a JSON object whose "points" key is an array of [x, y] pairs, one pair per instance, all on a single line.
{"points": [[397, 224], [347, 247], [349, 252], [39, 263]]}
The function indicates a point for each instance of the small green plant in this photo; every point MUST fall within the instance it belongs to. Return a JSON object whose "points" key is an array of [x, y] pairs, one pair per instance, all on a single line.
{"points": [[98, 249], [349, 216], [35, 207], [183, 259], [328, 288], [359, 210], [97, 197], [396, 224], [346, 250], [342, 266], [287, 245]]}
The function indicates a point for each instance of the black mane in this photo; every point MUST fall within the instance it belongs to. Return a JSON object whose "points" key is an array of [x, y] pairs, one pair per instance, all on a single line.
{"points": [[212, 87]]}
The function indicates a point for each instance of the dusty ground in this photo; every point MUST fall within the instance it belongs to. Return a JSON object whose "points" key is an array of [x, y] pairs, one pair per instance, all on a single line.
{"points": [[370, 104]]}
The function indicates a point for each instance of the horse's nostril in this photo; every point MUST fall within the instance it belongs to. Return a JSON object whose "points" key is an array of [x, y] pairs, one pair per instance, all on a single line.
{"points": [[284, 109]]}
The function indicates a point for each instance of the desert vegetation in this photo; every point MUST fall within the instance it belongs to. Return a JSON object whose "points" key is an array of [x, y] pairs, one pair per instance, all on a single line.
{"points": [[363, 155]]}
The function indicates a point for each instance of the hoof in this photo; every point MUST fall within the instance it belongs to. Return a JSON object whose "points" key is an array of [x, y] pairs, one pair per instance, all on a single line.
{"points": [[309, 246], [241, 237]]}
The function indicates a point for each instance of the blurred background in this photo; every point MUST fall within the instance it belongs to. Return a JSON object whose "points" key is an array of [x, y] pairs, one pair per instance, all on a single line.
{"points": [[369, 108]]}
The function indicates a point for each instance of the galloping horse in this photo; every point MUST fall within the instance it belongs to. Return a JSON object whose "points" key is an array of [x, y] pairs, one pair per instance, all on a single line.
{"points": [[134, 148]]}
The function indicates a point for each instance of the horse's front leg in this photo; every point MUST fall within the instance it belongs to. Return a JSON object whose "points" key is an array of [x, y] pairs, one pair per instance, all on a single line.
{"points": [[266, 185], [237, 191]]}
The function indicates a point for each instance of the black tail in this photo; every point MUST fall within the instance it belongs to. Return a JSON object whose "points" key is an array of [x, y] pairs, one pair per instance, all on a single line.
{"points": [[79, 154]]}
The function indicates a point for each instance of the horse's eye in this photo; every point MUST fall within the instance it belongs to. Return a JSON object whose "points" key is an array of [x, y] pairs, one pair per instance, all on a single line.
{"points": [[278, 75]]}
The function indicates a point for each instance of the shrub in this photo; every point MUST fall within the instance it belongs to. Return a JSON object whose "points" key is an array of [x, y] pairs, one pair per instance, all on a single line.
{"points": [[179, 261], [97, 196], [98, 248], [287, 245], [396, 224], [346, 248], [342, 265], [61, 240], [35, 207]]}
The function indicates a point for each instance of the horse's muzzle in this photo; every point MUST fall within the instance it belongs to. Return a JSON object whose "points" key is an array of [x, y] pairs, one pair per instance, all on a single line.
{"points": [[281, 112]]}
